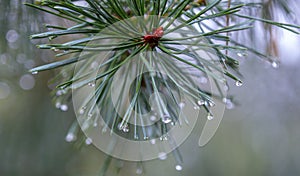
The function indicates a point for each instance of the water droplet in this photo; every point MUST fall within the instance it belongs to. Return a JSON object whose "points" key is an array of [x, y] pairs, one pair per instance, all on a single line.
{"points": [[201, 102], [209, 103], [181, 105], [210, 117], [229, 104], [91, 84], [54, 49], [196, 107], [88, 141], [90, 115], [163, 138], [64, 107], [241, 54], [166, 118], [139, 170], [238, 83], [81, 111], [124, 128], [275, 64], [162, 156], [178, 167], [70, 137], [34, 72]]}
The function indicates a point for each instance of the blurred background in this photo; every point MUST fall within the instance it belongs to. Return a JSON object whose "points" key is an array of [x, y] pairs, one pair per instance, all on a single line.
{"points": [[260, 136]]}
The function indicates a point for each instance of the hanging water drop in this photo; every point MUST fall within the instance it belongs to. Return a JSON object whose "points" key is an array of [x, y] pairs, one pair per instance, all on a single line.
{"points": [[275, 64], [125, 129], [54, 49], [162, 156], [238, 83], [91, 84], [210, 117], [70, 137], [200, 102], [209, 103], [229, 104], [163, 138], [81, 111], [34, 72], [241, 54], [88, 141], [139, 171], [178, 167], [166, 119], [64, 107]]}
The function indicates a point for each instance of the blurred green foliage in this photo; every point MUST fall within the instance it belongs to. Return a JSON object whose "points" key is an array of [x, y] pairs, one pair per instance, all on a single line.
{"points": [[260, 137]]}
